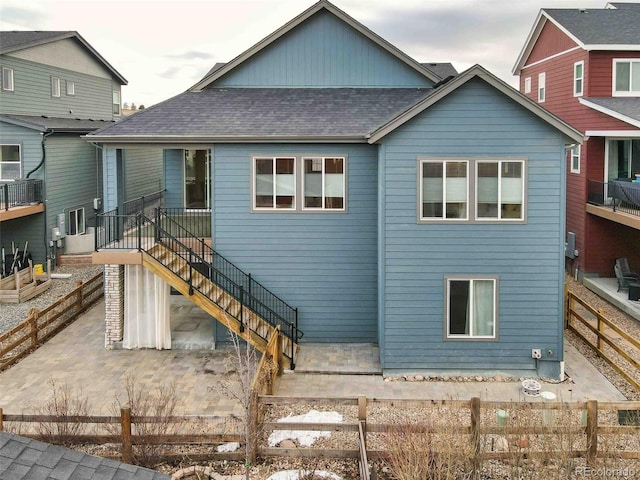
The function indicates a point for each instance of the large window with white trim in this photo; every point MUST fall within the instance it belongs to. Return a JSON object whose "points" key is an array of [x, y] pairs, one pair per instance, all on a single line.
{"points": [[324, 183], [623, 159], [626, 77], [578, 79], [471, 307], [10, 162], [274, 183]]}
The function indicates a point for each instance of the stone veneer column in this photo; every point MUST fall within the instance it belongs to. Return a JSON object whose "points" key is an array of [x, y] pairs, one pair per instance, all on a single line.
{"points": [[113, 304]]}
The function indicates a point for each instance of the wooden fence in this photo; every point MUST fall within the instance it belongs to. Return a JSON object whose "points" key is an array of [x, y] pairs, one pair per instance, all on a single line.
{"points": [[122, 431], [483, 426], [43, 324], [580, 314]]}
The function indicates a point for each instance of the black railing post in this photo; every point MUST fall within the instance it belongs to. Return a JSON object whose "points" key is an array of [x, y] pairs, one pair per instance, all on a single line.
{"points": [[294, 339], [157, 229], [139, 231], [5, 189], [241, 309], [190, 272], [250, 292]]}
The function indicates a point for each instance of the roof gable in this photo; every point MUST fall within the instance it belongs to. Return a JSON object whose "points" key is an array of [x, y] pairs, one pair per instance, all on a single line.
{"points": [[16, 41], [476, 72], [321, 10], [612, 28]]}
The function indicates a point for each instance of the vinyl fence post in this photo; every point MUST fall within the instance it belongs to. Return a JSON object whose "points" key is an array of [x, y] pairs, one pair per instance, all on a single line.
{"points": [[125, 421]]}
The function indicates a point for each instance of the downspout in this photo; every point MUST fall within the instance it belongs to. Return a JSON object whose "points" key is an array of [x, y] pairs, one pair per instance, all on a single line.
{"points": [[44, 153], [44, 192]]}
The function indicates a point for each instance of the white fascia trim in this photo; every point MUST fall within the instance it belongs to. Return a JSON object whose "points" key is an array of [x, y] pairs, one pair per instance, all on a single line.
{"points": [[613, 133], [611, 113], [624, 47], [551, 57]]}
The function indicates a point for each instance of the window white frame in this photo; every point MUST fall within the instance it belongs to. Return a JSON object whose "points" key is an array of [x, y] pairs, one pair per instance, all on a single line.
{"points": [[277, 182], [77, 221], [7, 79], [10, 163], [505, 189], [527, 85], [55, 87], [633, 77], [574, 157], [71, 88], [474, 307], [578, 78], [116, 102], [542, 90], [446, 189], [328, 183]]}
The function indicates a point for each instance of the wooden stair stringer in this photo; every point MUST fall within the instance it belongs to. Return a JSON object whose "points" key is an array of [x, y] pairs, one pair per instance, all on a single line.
{"points": [[213, 309]]}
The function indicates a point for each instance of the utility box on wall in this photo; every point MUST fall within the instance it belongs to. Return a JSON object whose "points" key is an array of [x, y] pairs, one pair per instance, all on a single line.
{"points": [[570, 245]]}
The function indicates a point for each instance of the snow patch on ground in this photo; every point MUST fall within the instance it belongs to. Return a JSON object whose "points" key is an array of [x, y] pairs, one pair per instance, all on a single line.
{"points": [[304, 438], [228, 447], [293, 475]]}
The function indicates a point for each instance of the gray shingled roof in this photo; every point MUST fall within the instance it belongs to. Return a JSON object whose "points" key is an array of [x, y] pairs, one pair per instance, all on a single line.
{"points": [[10, 41], [443, 70], [629, 107], [601, 26], [24, 458], [270, 112], [43, 123]]}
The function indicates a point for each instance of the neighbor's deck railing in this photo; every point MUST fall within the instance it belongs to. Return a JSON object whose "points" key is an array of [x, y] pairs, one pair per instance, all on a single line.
{"points": [[620, 196], [21, 192]]}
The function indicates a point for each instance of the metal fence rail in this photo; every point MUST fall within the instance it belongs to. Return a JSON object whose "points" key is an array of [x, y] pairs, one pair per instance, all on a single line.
{"points": [[21, 192], [620, 196]]}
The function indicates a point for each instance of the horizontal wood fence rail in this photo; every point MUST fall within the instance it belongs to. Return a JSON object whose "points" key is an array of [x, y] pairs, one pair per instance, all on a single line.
{"points": [[478, 428], [44, 324], [127, 439], [574, 317]]}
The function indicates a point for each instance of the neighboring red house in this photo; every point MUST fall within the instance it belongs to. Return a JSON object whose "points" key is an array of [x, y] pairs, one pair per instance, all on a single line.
{"points": [[584, 66]]}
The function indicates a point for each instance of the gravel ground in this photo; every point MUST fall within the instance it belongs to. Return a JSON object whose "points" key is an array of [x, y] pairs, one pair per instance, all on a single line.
{"points": [[12, 314], [627, 323]]}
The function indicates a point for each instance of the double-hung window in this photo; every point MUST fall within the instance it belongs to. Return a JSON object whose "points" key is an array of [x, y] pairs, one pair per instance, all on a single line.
{"points": [[76, 222], [10, 164], [626, 77], [274, 183], [7, 79], [578, 79], [71, 88], [500, 190], [527, 85], [116, 102], [324, 183], [471, 308], [444, 190], [575, 158], [55, 87], [542, 90]]}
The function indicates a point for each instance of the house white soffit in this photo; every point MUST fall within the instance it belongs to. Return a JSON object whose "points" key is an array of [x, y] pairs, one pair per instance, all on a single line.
{"points": [[287, 27]]}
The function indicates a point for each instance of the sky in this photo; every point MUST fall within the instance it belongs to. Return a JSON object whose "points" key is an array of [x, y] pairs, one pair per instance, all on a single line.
{"points": [[163, 47]]}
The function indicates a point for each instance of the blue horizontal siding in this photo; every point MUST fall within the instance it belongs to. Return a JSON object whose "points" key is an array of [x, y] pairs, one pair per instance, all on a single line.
{"points": [[474, 121], [325, 264], [323, 52]]}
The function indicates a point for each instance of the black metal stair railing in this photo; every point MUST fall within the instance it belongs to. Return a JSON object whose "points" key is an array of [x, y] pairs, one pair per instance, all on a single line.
{"points": [[232, 279], [135, 232]]}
